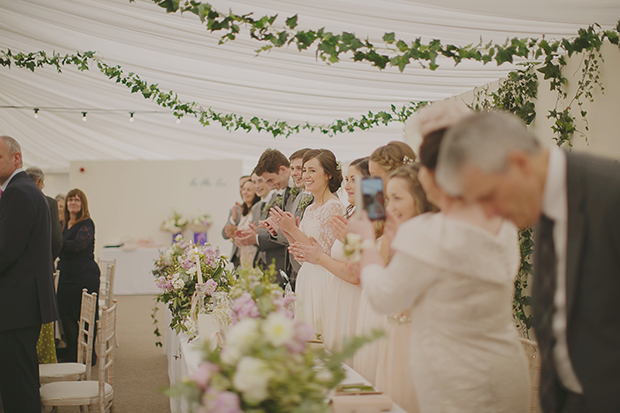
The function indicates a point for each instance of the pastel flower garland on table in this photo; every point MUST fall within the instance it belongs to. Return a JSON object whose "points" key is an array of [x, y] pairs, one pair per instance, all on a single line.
{"points": [[176, 274], [265, 366]]}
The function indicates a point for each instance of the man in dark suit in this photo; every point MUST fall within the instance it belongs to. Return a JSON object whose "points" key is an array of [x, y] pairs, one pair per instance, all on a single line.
{"points": [[37, 175], [491, 158], [27, 297]]}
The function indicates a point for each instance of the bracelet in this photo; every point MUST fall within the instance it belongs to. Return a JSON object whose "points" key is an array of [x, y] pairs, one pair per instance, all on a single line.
{"points": [[368, 244]]}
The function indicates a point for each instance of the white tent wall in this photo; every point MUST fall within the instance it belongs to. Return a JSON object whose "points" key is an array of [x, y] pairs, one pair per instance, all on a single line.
{"points": [[132, 198], [603, 114]]}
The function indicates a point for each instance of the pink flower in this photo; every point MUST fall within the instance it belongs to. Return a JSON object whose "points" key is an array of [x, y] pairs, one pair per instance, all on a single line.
{"points": [[302, 332], [221, 402], [211, 286], [202, 375], [244, 307]]}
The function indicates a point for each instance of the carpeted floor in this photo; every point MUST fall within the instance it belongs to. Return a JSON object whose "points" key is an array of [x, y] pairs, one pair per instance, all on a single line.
{"points": [[141, 369]]}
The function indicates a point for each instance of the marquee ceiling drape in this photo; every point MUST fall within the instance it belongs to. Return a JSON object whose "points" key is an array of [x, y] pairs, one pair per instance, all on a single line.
{"points": [[179, 54]]}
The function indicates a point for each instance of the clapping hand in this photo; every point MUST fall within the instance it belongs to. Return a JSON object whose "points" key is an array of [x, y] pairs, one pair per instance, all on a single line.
{"points": [[285, 220], [229, 230], [235, 211], [360, 224], [338, 224], [307, 253], [246, 237]]}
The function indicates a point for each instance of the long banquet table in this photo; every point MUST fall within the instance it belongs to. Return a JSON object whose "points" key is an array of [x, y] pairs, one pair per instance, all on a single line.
{"points": [[185, 356]]}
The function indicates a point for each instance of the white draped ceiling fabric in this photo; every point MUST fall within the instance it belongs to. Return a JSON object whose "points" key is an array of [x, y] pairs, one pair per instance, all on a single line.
{"points": [[177, 52]]}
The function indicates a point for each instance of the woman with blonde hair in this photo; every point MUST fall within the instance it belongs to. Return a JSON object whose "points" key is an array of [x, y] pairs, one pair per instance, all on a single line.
{"points": [[77, 267]]}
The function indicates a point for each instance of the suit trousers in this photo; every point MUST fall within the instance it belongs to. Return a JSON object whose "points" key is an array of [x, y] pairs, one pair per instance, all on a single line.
{"points": [[19, 370]]}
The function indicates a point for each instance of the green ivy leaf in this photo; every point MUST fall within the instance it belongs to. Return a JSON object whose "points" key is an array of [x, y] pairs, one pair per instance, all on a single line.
{"points": [[389, 38], [291, 22]]}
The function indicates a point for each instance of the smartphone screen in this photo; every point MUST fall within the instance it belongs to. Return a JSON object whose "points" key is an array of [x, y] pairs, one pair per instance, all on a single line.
{"points": [[373, 199]]}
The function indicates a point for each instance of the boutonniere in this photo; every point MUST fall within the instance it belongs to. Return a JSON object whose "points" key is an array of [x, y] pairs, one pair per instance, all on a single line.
{"points": [[294, 192], [303, 204], [276, 202]]}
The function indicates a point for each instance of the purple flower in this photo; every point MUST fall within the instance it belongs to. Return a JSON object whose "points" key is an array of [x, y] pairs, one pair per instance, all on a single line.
{"points": [[202, 375], [211, 286]]}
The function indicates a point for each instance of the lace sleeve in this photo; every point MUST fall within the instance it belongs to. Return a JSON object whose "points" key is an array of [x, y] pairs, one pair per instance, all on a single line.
{"points": [[327, 235], [83, 238]]}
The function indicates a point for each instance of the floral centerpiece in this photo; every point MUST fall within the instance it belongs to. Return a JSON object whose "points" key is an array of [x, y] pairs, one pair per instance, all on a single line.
{"points": [[176, 275], [174, 225], [255, 294], [201, 223], [265, 366]]}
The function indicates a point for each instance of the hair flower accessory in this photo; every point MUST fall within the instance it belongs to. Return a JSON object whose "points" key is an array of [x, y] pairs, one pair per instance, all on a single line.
{"points": [[338, 166], [407, 160]]}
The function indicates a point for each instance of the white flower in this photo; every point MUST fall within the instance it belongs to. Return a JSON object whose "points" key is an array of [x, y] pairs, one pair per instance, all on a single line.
{"points": [[252, 379], [177, 282], [239, 340], [324, 375], [353, 246], [278, 329]]}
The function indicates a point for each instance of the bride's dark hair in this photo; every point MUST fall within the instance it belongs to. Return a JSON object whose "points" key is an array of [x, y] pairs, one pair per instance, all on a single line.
{"points": [[328, 162]]}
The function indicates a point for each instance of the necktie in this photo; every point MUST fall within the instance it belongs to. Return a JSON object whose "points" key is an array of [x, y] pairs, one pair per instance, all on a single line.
{"points": [[546, 275]]}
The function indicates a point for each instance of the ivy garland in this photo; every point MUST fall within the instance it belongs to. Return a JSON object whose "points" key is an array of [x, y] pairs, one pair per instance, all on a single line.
{"points": [[170, 99]]}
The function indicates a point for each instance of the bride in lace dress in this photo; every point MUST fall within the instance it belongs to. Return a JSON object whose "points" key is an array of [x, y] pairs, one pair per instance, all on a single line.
{"points": [[323, 177]]}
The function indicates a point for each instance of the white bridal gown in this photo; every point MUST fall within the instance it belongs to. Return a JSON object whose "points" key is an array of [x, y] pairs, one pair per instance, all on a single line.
{"points": [[342, 306], [313, 281], [465, 350]]}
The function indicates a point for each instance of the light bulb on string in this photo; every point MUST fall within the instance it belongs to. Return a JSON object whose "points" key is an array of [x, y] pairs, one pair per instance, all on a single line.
{"points": [[131, 118], [178, 120], [84, 116], [36, 113]]}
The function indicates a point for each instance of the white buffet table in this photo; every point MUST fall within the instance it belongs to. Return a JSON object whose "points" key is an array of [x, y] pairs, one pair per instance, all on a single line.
{"points": [[133, 274]]}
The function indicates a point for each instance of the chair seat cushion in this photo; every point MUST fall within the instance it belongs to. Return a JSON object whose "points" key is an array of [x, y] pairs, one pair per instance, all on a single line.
{"points": [[74, 392], [58, 371]]}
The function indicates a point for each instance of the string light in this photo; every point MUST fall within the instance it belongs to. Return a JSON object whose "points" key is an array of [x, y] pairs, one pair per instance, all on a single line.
{"points": [[36, 113], [131, 116], [84, 116], [178, 120]]}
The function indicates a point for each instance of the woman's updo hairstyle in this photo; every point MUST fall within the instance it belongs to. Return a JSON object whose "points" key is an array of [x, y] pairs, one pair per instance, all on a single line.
{"points": [[328, 162], [361, 164], [432, 122], [409, 173], [393, 155]]}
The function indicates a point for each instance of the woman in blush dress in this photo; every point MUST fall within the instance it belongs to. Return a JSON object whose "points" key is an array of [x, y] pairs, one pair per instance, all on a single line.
{"points": [[249, 197], [344, 292], [456, 270], [322, 176]]}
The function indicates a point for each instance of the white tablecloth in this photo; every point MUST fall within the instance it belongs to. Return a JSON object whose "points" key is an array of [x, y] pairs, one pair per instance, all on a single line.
{"points": [[133, 274]]}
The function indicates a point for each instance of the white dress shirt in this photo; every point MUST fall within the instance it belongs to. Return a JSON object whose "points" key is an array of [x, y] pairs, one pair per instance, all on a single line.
{"points": [[6, 183], [555, 207]]}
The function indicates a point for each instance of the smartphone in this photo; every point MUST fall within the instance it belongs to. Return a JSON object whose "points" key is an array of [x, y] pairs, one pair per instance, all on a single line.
{"points": [[369, 197]]}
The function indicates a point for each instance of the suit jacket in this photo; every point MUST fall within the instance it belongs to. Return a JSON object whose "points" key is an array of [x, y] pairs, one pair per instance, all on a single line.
{"points": [[56, 229], [593, 278], [234, 254], [27, 296], [267, 244]]}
